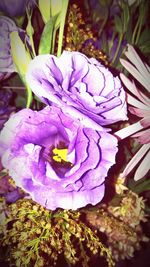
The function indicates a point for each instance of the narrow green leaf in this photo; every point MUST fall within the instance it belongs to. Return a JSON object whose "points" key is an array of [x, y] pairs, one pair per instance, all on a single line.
{"points": [[21, 62], [56, 7], [62, 25], [44, 7], [126, 17], [47, 36], [143, 186], [118, 24], [139, 186], [144, 37]]}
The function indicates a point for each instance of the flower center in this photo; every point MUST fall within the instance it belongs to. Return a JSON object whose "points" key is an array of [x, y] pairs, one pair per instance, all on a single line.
{"points": [[57, 157], [60, 154], [59, 161]]}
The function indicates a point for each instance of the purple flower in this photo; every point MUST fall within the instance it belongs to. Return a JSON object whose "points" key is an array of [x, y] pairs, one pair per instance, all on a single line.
{"points": [[5, 108], [55, 159], [6, 63], [82, 86], [14, 8], [7, 26]]}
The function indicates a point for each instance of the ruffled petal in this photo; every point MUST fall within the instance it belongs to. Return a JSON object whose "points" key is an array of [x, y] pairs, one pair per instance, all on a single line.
{"points": [[74, 82], [27, 142]]}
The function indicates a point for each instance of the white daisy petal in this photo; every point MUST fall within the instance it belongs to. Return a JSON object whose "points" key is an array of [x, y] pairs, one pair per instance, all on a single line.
{"points": [[136, 74], [129, 130], [132, 55], [132, 88], [143, 168], [135, 160], [134, 102]]}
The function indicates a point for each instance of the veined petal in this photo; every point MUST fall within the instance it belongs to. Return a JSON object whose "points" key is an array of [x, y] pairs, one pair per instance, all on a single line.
{"points": [[76, 84], [27, 144]]}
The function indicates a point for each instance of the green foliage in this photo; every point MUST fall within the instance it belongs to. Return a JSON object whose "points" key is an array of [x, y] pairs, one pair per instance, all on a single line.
{"points": [[118, 23], [46, 40], [139, 186]]}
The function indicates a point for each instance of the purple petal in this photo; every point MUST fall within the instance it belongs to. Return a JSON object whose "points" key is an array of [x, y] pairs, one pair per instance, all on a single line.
{"points": [[27, 142], [84, 84]]}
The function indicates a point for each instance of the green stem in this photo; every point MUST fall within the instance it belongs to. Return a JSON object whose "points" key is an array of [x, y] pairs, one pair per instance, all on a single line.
{"points": [[53, 41], [118, 47], [138, 33], [62, 25], [29, 30], [29, 96], [32, 45], [103, 24], [110, 45], [135, 30]]}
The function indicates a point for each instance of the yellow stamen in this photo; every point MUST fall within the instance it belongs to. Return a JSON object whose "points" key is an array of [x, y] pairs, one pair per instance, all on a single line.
{"points": [[60, 154]]}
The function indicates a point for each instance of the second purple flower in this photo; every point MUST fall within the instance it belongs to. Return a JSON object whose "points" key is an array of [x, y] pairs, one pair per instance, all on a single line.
{"points": [[83, 87]]}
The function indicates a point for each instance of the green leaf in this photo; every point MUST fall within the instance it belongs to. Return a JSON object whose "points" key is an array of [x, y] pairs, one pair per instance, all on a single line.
{"points": [[62, 25], [56, 7], [21, 62], [44, 7], [20, 101], [126, 17], [144, 37], [47, 37], [105, 2], [118, 24], [140, 186], [144, 186], [145, 48]]}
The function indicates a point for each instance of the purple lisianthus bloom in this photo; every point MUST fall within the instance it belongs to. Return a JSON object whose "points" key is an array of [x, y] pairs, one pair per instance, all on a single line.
{"points": [[14, 8], [5, 108], [82, 86], [56, 160], [6, 63], [7, 26]]}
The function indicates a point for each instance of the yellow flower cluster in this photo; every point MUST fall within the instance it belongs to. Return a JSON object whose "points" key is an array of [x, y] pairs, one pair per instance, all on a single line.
{"points": [[38, 237], [78, 32]]}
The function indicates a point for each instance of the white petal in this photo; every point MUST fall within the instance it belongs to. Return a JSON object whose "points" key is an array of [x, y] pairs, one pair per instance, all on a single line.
{"points": [[132, 88], [143, 168], [134, 102], [136, 74], [135, 160], [132, 55], [129, 130]]}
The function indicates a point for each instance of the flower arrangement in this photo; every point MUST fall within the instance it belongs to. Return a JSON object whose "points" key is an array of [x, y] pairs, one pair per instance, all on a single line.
{"points": [[71, 193]]}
